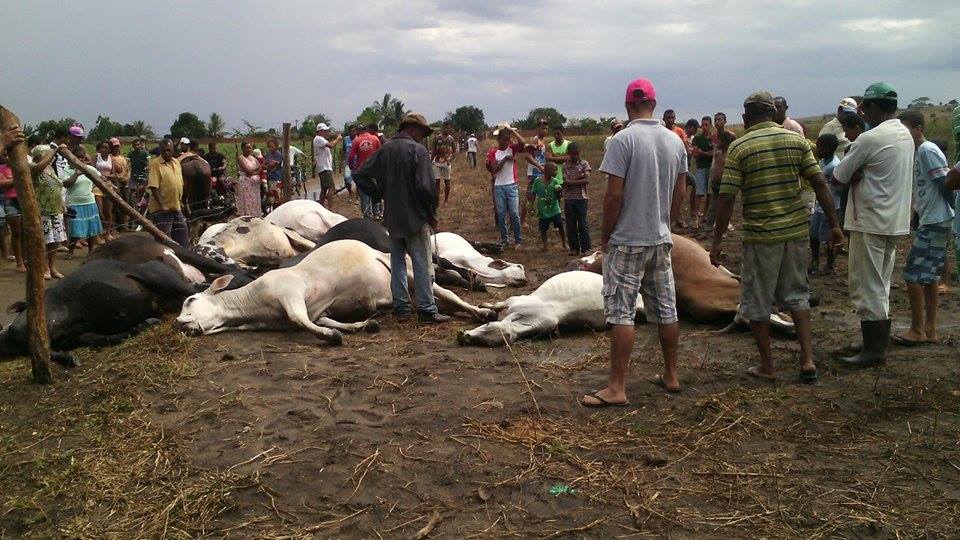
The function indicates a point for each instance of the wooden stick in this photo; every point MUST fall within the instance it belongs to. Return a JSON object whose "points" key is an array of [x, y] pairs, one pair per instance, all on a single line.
{"points": [[287, 187], [35, 250], [94, 175]]}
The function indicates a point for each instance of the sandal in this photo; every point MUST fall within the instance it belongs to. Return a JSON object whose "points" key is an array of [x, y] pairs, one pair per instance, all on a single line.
{"points": [[754, 371], [601, 403], [658, 380]]}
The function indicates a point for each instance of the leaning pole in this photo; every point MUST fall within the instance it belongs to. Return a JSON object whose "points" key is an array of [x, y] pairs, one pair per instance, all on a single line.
{"points": [[35, 249]]}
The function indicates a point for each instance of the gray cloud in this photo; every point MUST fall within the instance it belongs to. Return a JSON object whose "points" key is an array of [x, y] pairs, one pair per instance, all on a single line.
{"points": [[278, 61]]}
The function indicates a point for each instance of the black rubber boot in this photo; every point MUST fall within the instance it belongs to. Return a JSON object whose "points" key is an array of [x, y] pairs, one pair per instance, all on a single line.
{"points": [[876, 341]]}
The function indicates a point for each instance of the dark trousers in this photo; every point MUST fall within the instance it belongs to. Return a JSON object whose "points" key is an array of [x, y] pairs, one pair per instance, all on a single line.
{"points": [[578, 230], [173, 224]]}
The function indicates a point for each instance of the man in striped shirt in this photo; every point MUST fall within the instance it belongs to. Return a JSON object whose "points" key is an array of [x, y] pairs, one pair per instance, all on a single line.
{"points": [[767, 165]]}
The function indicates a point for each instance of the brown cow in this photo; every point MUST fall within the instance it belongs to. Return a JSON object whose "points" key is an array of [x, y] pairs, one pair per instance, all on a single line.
{"points": [[705, 292]]}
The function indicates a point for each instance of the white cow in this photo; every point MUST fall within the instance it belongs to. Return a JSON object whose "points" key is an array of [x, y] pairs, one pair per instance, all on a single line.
{"points": [[567, 300], [489, 271], [344, 280], [253, 241], [309, 218], [570, 299]]}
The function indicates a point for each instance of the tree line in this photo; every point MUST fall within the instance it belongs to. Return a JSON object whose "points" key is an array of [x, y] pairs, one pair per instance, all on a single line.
{"points": [[387, 112]]}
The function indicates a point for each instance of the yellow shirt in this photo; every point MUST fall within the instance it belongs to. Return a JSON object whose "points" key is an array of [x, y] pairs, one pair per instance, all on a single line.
{"points": [[168, 179]]}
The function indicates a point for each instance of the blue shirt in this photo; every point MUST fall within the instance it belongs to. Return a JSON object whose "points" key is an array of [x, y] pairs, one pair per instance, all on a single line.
{"points": [[929, 171], [836, 188]]}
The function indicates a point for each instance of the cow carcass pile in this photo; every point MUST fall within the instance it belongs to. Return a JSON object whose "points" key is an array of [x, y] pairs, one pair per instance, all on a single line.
{"points": [[303, 267]]}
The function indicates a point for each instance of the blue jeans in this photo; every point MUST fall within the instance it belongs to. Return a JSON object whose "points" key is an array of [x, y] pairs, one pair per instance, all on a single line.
{"points": [[417, 246], [173, 224], [369, 209], [578, 230], [507, 198]]}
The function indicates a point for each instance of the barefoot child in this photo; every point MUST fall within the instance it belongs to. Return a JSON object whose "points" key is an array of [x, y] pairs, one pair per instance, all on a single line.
{"points": [[548, 205], [934, 204], [819, 227]]}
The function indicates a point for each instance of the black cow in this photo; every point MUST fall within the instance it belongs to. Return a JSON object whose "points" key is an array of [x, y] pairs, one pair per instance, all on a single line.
{"points": [[139, 248], [100, 303], [376, 236]]}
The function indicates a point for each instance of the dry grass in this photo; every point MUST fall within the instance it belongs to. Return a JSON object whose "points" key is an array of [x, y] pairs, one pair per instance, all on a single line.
{"points": [[84, 459]]}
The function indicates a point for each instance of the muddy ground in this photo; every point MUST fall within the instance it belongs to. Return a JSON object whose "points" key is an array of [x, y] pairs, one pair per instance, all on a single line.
{"points": [[404, 433]]}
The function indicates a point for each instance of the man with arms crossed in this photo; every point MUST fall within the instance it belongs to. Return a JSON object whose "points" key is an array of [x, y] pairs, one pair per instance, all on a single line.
{"points": [[766, 164], [646, 165], [878, 212]]}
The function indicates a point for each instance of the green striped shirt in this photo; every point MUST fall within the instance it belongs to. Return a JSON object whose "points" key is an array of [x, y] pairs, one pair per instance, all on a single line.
{"points": [[767, 165]]}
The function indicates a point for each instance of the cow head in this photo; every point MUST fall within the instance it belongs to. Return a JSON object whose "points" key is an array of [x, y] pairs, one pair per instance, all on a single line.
{"points": [[502, 273], [202, 312], [492, 334]]}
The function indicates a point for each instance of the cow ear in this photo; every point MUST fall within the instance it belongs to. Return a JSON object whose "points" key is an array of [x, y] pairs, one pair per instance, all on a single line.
{"points": [[17, 307], [220, 284], [498, 264]]}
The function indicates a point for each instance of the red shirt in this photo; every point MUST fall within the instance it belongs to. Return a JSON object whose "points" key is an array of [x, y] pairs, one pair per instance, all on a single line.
{"points": [[9, 192], [364, 146]]}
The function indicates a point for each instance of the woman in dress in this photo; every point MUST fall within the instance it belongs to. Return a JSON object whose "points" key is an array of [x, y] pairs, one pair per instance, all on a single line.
{"points": [[248, 188], [11, 212], [46, 187], [81, 206], [105, 166]]}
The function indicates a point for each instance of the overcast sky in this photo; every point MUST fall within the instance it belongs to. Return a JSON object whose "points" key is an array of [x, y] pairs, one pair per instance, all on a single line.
{"points": [[275, 61]]}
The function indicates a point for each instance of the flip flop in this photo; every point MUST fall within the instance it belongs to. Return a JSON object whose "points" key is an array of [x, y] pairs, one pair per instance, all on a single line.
{"points": [[602, 402], [754, 371], [808, 377], [658, 380], [902, 341]]}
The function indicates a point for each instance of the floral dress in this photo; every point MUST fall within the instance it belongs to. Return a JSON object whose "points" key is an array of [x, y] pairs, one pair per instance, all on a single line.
{"points": [[248, 188]]}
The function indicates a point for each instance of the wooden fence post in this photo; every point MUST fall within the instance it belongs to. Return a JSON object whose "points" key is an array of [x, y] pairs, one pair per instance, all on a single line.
{"points": [[287, 188], [34, 248]]}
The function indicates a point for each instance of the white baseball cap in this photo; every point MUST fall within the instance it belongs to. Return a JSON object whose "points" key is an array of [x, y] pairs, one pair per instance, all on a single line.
{"points": [[184, 140], [848, 104], [322, 127]]}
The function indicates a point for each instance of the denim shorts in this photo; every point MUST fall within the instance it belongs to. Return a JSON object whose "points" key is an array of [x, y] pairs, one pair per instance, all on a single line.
{"points": [[11, 208]]}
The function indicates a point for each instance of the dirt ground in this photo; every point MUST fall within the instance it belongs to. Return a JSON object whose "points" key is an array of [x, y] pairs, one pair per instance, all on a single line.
{"points": [[405, 434]]}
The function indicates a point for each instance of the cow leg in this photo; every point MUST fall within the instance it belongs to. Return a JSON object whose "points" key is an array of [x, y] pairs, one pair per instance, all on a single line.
{"points": [[297, 312], [369, 325], [451, 303], [451, 279]]}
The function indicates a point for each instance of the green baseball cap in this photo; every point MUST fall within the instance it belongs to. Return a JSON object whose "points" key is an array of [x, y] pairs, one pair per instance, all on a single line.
{"points": [[880, 91]]}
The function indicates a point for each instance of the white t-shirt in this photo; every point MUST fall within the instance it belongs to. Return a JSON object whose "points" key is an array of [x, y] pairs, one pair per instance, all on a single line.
{"points": [[322, 154], [472, 144], [649, 158], [507, 174], [880, 202]]}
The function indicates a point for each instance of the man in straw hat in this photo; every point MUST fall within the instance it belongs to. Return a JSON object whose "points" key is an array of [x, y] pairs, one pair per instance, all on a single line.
{"points": [[401, 173]]}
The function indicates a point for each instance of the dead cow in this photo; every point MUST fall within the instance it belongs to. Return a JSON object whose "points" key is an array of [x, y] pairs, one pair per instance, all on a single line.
{"points": [[705, 293], [344, 280], [253, 241], [308, 218], [489, 271]]}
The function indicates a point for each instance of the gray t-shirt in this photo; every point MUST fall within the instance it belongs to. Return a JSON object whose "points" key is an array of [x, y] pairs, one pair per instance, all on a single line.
{"points": [[649, 157]]}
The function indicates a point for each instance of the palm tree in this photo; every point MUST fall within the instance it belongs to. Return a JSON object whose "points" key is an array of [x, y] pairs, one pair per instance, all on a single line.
{"points": [[215, 126], [389, 111]]}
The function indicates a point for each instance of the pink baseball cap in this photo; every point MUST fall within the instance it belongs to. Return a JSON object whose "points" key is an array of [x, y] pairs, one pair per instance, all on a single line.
{"points": [[114, 141], [76, 131], [640, 90]]}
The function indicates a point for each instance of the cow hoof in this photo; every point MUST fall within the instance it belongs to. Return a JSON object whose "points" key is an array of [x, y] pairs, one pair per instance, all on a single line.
{"points": [[479, 287], [488, 315], [462, 338], [335, 339], [151, 322], [371, 326], [65, 359]]}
